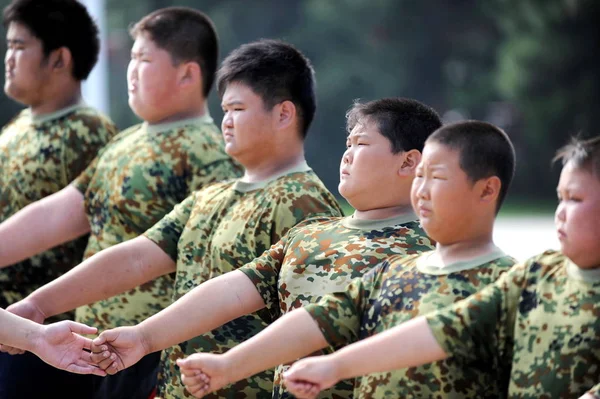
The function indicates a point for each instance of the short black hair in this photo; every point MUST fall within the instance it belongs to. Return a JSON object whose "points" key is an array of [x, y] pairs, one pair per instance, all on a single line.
{"points": [[583, 153], [187, 35], [484, 150], [59, 23], [405, 122], [275, 71]]}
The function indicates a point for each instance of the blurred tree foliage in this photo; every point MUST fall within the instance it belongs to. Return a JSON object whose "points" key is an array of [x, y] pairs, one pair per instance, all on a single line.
{"points": [[526, 65]]}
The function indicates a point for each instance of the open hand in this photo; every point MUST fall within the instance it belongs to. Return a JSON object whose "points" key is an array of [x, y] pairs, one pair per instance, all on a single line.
{"points": [[61, 346]]}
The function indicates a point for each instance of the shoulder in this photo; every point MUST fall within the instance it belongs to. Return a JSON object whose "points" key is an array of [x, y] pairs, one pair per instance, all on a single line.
{"points": [[545, 263], [203, 134], [302, 180], [23, 117], [504, 262], [537, 268], [91, 115], [131, 130], [213, 189], [397, 261], [300, 188], [88, 121], [319, 223]]}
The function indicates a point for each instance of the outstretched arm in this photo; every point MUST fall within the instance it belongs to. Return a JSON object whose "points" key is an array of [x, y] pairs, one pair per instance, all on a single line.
{"points": [[51, 221], [408, 345], [108, 273], [292, 336], [203, 309], [57, 344]]}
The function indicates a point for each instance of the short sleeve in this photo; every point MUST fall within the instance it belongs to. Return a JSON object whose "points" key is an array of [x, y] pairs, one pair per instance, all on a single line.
{"points": [[264, 274], [87, 135], [168, 230], [338, 315], [482, 325]]}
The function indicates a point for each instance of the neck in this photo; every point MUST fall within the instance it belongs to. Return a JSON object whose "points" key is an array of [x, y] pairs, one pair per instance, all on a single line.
{"points": [[59, 100], [466, 249], [383, 213], [271, 167], [195, 111]]}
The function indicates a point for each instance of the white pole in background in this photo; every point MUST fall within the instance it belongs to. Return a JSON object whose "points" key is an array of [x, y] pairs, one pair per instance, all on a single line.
{"points": [[95, 88]]}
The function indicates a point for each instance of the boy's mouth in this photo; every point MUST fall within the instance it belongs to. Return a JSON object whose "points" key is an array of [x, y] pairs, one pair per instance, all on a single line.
{"points": [[423, 211]]}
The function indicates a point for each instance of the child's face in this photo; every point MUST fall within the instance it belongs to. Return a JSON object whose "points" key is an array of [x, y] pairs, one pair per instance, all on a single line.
{"points": [[151, 81], [26, 73], [248, 128], [369, 169], [442, 195], [577, 216]]}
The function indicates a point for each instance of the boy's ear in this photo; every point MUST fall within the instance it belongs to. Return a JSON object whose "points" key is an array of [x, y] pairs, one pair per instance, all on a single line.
{"points": [[490, 189], [286, 114], [409, 163], [190, 74], [60, 59]]}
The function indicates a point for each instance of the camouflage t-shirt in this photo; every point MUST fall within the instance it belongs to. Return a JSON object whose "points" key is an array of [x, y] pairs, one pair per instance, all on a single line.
{"points": [[135, 181], [397, 290], [323, 257], [219, 229], [40, 155], [539, 322]]}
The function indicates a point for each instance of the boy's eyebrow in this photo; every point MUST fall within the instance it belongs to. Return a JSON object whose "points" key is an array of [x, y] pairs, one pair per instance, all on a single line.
{"points": [[356, 135], [230, 103], [141, 51], [15, 41], [437, 167]]}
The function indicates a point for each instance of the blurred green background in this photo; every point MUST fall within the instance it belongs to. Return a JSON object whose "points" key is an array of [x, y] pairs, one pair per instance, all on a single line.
{"points": [[527, 66]]}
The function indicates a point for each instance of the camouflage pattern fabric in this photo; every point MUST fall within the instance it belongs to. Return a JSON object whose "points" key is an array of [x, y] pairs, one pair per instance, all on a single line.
{"points": [[398, 290], [136, 180], [39, 156], [323, 256], [539, 322], [219, 229]]}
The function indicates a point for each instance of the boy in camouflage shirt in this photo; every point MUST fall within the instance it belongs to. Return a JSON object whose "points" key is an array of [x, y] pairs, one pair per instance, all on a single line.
{"points": [[460, 183], [383, 148], [268, 97], [537, 324], [42, 150], [138, 177]]}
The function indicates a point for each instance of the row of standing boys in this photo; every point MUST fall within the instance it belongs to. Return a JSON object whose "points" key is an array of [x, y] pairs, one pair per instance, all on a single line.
{"points": [[189, 247]]}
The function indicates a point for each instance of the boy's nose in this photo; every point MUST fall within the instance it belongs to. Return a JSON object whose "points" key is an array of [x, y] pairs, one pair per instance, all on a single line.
{"points": [[227, 121], [422, 190], [560, 212], [347, 157]]}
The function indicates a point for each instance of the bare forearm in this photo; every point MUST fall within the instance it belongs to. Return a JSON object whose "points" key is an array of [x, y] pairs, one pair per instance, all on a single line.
{"points": [[18, 332], [291, 337], [410, 344], [108, 273], [206, 307], [54, 220]]}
